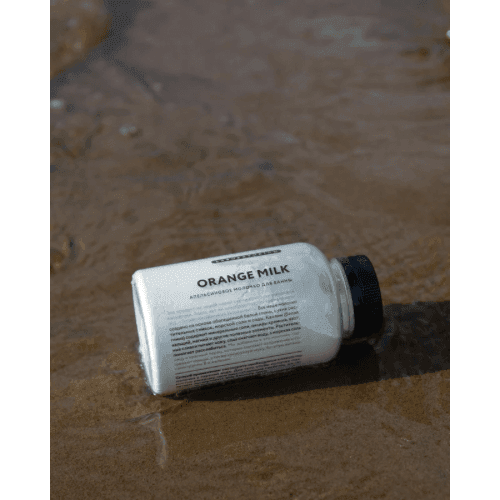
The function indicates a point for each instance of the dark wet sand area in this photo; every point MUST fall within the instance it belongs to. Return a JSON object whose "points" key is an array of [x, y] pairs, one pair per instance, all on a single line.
{"points": [[183, 130]]}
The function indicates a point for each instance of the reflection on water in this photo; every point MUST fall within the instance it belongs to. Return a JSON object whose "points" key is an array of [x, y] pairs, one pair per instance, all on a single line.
{"points": [[154, 422], [202, 129], [192, 429]]}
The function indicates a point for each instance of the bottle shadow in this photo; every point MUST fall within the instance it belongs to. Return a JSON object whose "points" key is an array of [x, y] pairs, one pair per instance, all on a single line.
{"points": [[414, 339]]}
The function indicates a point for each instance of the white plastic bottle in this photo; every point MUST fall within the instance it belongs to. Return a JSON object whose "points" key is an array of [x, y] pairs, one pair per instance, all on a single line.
{"points": [[250, 313]]}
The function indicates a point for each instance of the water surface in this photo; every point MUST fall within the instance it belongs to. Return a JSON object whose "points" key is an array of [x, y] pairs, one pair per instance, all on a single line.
{"points": [[199, 129]]}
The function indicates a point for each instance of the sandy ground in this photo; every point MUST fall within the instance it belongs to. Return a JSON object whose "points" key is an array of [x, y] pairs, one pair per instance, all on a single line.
{"points": [[198, 129]]}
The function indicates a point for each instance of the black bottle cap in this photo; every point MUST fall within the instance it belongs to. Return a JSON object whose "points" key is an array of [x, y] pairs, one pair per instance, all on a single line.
{"points": [[366, 296]]}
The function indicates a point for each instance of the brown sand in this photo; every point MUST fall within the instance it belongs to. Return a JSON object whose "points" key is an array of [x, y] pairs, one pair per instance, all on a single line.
{"points": [[205, 128], [75, 28]]}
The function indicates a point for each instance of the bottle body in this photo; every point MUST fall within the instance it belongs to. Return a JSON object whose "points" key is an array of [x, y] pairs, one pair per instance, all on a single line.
{"points": [[250, 313]]}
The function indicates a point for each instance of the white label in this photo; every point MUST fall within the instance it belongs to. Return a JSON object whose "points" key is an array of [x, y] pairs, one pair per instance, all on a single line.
{"points": [[238, 315], [205, 352]]}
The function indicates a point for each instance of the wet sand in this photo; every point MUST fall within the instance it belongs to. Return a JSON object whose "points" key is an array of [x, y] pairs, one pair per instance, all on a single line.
{"points": [[193, 132]]}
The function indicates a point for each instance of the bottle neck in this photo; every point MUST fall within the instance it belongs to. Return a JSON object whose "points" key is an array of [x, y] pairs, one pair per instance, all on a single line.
{"points": [[344, 294]]}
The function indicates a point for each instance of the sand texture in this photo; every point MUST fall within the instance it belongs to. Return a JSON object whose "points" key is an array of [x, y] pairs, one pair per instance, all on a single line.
{"points": [[196, 129]]}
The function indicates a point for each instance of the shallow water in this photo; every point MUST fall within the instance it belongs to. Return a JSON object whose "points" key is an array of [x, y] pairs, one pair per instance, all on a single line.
{"points": [[199, 129]]}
